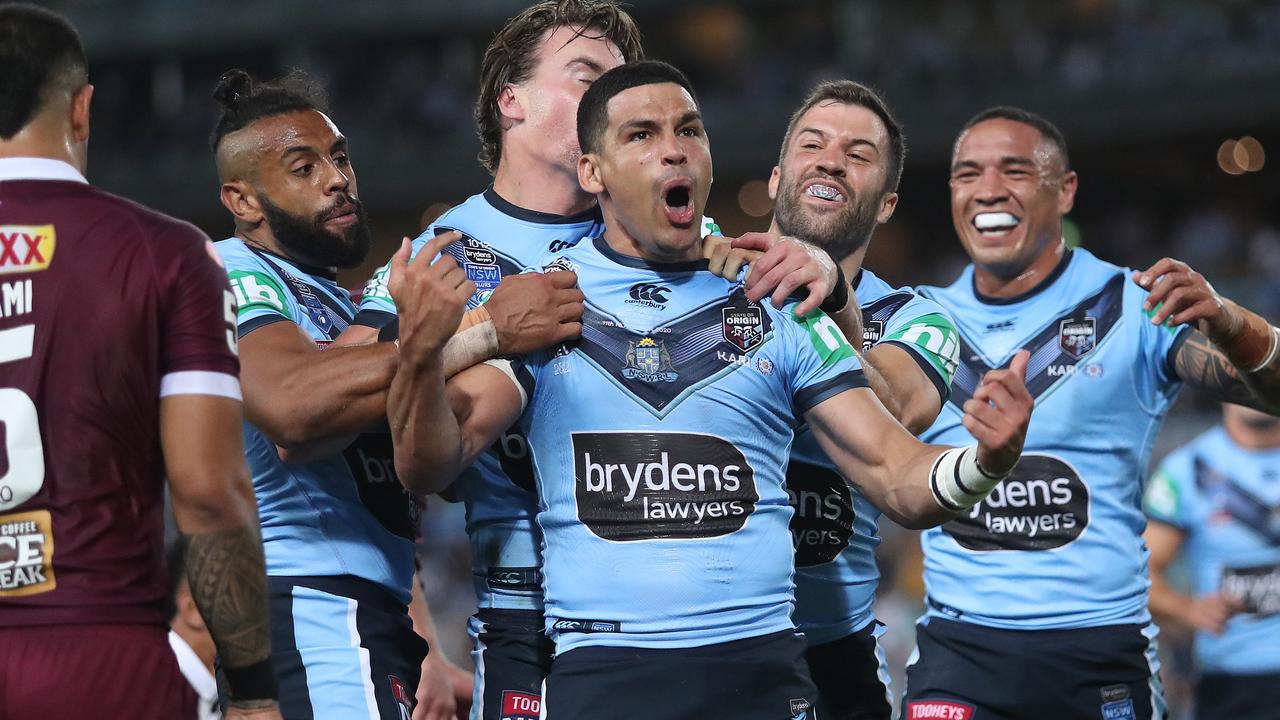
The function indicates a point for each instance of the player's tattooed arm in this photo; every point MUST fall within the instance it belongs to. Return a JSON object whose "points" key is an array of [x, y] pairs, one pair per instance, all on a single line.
{"points": [[1232, 354], [214, 506]]}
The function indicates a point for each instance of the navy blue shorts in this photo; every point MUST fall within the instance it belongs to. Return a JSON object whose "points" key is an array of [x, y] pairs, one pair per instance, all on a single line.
{"points": [[761, 678], [343, 647], [512, 656], [852, 676], [1238, 697], [963, 671]]}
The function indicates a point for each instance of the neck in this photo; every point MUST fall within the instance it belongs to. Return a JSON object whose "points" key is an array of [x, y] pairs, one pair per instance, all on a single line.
{"points": [[849, 265], [528, 182], [995, 284], [260, 237], [624, 243], [200, 642], [32, 142], [1253, 438]]}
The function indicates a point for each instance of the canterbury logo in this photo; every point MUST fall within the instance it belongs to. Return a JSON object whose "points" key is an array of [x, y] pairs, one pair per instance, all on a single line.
{"points": [[649, 293]]}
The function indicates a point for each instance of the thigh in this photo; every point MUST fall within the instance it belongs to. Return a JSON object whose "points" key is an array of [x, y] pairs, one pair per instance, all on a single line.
{"points": [[954, 675], [512, 656], [1108, 672], [99, 671], [1237, 697], [852, 676], [338, 657]]}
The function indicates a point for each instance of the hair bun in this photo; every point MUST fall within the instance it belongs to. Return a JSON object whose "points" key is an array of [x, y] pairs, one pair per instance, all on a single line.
{"points": [[233, 88]]}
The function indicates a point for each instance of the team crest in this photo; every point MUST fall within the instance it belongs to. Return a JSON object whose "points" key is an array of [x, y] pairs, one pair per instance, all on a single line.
{"points": [[560, 263], [743, 327], [648, 361], [1077, 337], [481, 267], [872, 331]]}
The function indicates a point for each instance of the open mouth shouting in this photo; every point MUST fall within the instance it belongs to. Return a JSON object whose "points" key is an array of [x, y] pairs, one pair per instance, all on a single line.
{"points": [[995, 224], [677, 201]]}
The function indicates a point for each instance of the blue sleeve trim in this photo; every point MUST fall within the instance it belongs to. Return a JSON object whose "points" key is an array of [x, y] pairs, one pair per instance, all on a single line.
{"points": [[1171, 357], [373, 318], [808, 398], [254, 323], [944, 389]]}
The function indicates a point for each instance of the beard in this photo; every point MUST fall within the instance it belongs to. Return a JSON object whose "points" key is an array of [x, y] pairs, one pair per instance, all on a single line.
{"points": [[840, 234], [309, 241]]}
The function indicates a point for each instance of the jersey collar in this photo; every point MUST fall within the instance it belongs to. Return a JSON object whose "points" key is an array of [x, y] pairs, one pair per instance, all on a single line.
{"points": [[635, 262], [506, 207], [38, 168], [1043, 285]]}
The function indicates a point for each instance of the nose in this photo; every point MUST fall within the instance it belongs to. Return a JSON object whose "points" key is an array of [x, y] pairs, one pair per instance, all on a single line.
{"points": [[831, 161], [990, 189], [338, 180], [673, 152]]}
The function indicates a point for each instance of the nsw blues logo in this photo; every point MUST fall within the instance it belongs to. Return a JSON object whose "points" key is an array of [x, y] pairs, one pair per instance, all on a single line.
{"points": [[1077, 337], [481, 266], [647, 360]]}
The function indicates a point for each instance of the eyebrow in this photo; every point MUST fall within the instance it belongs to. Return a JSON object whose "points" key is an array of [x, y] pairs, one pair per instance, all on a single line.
{"points": [[823, 136], [339, 144], [588, 62], [1006, 160], [650, 124]]}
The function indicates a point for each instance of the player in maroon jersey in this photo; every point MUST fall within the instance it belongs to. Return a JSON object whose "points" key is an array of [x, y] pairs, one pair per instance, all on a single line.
{"points": [[117, 367]]}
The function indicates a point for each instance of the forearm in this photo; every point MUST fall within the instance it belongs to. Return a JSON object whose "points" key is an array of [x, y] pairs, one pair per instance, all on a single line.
{"points": [[907, 498], [354, 382], [1204, 364], [475, 341], [424, 431], [1167, 604], [420, 614], [1257, 338]]}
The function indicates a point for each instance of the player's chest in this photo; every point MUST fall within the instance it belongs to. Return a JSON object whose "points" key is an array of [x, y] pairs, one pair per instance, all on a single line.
{"points": [[1240, 504]]}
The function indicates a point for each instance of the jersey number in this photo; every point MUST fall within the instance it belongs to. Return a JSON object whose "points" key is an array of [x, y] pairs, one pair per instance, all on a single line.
{"points": [[23, 448]]}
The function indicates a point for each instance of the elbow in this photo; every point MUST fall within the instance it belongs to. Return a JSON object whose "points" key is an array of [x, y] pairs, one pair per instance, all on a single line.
{"points": [[426, 476]]}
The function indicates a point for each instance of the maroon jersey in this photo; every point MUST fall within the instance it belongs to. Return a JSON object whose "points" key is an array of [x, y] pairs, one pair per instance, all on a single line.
{"points": [[105, 306]]}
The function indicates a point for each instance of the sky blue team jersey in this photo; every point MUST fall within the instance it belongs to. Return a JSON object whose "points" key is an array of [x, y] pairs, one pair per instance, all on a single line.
{"points": [[499, 239], [1059, 543], [343, 515], [659, 442], [835, 528], [1227, 500]]}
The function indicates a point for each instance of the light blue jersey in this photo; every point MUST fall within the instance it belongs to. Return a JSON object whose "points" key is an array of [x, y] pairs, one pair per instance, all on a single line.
{"points": [[1059, 543], [835, 528], [659, 442], [346, 514], [1227, 500], [499, 239]]}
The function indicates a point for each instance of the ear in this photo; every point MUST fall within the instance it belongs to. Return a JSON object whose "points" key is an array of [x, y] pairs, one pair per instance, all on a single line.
{"points": [[239, 198], [887, 206], [188, 611], [589, 175], [774, 178], [510, 104], [1067, 195], [80, 102]]}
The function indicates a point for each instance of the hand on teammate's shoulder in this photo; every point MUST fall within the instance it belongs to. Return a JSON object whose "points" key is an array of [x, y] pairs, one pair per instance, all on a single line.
{"points": [[532, 311]]}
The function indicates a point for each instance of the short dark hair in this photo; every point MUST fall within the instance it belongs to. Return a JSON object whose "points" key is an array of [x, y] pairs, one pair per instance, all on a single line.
{"points": [[1048, 130], [509, 57], [593, 110], [41, 55], [848, 92], [241, 100], [175, 560]]}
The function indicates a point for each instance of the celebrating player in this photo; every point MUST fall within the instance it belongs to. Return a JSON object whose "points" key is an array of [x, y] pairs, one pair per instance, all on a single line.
{"points": [[1037, 596], [835, 182], [117, 369], [338, 528], [667, 559], [1212, 503]]}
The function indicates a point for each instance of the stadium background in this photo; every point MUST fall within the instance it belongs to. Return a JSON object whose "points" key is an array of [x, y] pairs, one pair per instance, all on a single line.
{"points": [[1170, 108]]}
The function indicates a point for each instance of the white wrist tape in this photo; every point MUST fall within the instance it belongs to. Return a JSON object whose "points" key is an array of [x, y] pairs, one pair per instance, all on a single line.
{"points": [[958, 482], [470, 347]]}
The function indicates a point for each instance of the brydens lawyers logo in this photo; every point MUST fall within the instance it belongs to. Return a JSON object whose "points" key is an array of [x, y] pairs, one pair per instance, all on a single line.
{"points": [[25, 248], [938, 710], [520, 705]]}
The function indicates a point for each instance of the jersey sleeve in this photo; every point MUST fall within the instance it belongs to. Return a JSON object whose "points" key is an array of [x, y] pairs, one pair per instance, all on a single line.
{"points": [[1158, 345], [927, 333], [261, 298], [818, 361], [198, 341], [1168, 496]]}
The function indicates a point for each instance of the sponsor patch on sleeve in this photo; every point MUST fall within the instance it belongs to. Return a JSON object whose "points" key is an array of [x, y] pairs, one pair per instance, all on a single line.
{"points": [[258, 291], [26, 554], [825, 335], [26, 248], [936, 337], [1162, 498], [377, 285]]}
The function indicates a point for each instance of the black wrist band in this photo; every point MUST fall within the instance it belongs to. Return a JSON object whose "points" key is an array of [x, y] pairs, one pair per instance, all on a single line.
{"points": [[255, 682], [839, 297]]}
